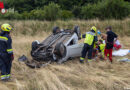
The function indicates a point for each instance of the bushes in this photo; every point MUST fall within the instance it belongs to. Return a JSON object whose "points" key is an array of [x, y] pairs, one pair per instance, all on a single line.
{"points": [[77, 11], [11, 16], [65, 14], [37, 14], [116, 9], [89, 11], [52, 11], [107, 9]]}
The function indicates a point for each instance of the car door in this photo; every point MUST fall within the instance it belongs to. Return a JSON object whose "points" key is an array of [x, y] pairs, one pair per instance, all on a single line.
{"points": [[74, 50]]}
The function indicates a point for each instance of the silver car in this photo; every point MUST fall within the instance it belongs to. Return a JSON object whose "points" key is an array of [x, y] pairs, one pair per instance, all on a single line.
{"points": [[58, 47]]}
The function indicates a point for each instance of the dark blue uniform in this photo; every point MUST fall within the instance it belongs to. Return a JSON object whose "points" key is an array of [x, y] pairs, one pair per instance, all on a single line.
{"points": [[6, 53]]}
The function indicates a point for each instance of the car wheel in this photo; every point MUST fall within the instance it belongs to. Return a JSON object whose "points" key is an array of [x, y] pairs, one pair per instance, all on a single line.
{"points": [[77, 31], [60, 50], [55, 30], [35, 45]]}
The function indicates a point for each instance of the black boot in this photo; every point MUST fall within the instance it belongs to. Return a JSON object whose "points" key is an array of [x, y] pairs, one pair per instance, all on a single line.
{"points": [[81, 61]]}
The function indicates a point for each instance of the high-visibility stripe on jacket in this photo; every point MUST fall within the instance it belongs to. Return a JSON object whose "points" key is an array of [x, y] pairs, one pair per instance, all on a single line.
{"points": [[10, 50], [94, 46], [89, 38], [96, 39], [102, 48], [5, 43], [3, 38]]}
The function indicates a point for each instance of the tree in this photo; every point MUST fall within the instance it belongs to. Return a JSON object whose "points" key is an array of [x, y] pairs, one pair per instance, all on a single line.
{"points": [[68, 4], [52, 11], [76, 11], [21, 5], [116, 9]]}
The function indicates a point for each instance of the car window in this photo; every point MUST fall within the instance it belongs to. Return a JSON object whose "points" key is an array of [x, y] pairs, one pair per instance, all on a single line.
{"points": [[72, 42]]}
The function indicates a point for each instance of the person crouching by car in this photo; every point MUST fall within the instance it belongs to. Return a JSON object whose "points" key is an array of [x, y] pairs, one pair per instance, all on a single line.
{"points": [[90, 39], [111, 36], [6, 52], [101, 48]]}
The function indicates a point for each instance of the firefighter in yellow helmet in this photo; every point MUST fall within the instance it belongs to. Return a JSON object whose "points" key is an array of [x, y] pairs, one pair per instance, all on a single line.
{"points": [[6, 52], [90, 39]]}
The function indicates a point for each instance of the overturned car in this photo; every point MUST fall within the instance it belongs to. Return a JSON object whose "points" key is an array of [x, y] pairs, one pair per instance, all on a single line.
{"points": [[59, 46]]}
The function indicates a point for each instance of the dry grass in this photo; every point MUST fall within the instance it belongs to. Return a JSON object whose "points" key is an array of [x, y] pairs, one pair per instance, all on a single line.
{"points": [[71, 75]]}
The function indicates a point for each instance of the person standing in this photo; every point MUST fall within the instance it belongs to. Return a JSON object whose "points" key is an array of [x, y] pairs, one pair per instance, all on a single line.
{"points": [[111, 36], [6, 52], [90, 39]]}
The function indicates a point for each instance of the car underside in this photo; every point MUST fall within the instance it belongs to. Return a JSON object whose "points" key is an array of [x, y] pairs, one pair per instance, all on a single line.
{"points": [[57, 47]]}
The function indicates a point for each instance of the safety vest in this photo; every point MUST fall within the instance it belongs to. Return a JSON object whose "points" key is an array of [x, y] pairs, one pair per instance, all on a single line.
{"points": [[89, 38], [102, 48]]}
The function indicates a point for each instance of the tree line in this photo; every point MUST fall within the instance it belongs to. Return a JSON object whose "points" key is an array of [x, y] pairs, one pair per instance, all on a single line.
{"points": [[66, 9]]}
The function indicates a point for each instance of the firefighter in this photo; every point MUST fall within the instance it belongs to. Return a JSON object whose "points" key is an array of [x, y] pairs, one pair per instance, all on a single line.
{"points": [[6, 52], [90, 39]]}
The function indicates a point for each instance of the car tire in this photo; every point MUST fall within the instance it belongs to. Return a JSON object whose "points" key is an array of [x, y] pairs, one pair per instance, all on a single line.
{"points": [[60, 50], [55, 30], [35, 45], [77, 31]]}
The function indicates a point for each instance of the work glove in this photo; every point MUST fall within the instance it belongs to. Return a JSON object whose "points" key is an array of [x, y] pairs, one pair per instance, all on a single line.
{"points": [[99, 33]]}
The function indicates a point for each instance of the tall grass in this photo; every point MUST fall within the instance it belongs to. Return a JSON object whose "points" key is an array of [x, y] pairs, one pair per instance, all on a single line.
{"points": [[70, 75], [33, 28]]}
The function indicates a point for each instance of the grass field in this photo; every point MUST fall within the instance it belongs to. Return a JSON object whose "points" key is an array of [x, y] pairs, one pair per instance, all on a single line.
{"points": [[70, 75]]}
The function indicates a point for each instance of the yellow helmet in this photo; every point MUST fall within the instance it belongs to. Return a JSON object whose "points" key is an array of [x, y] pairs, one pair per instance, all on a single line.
{"points": [[6, 27], [94, 28]]}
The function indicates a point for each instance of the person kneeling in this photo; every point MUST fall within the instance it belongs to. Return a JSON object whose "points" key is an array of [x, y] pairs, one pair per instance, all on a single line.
{"points": [[101, 48]]}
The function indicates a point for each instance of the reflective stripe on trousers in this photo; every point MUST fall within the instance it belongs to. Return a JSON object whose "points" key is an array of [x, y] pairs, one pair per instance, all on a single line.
{"points": [[8, 76], [3, 77]]}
